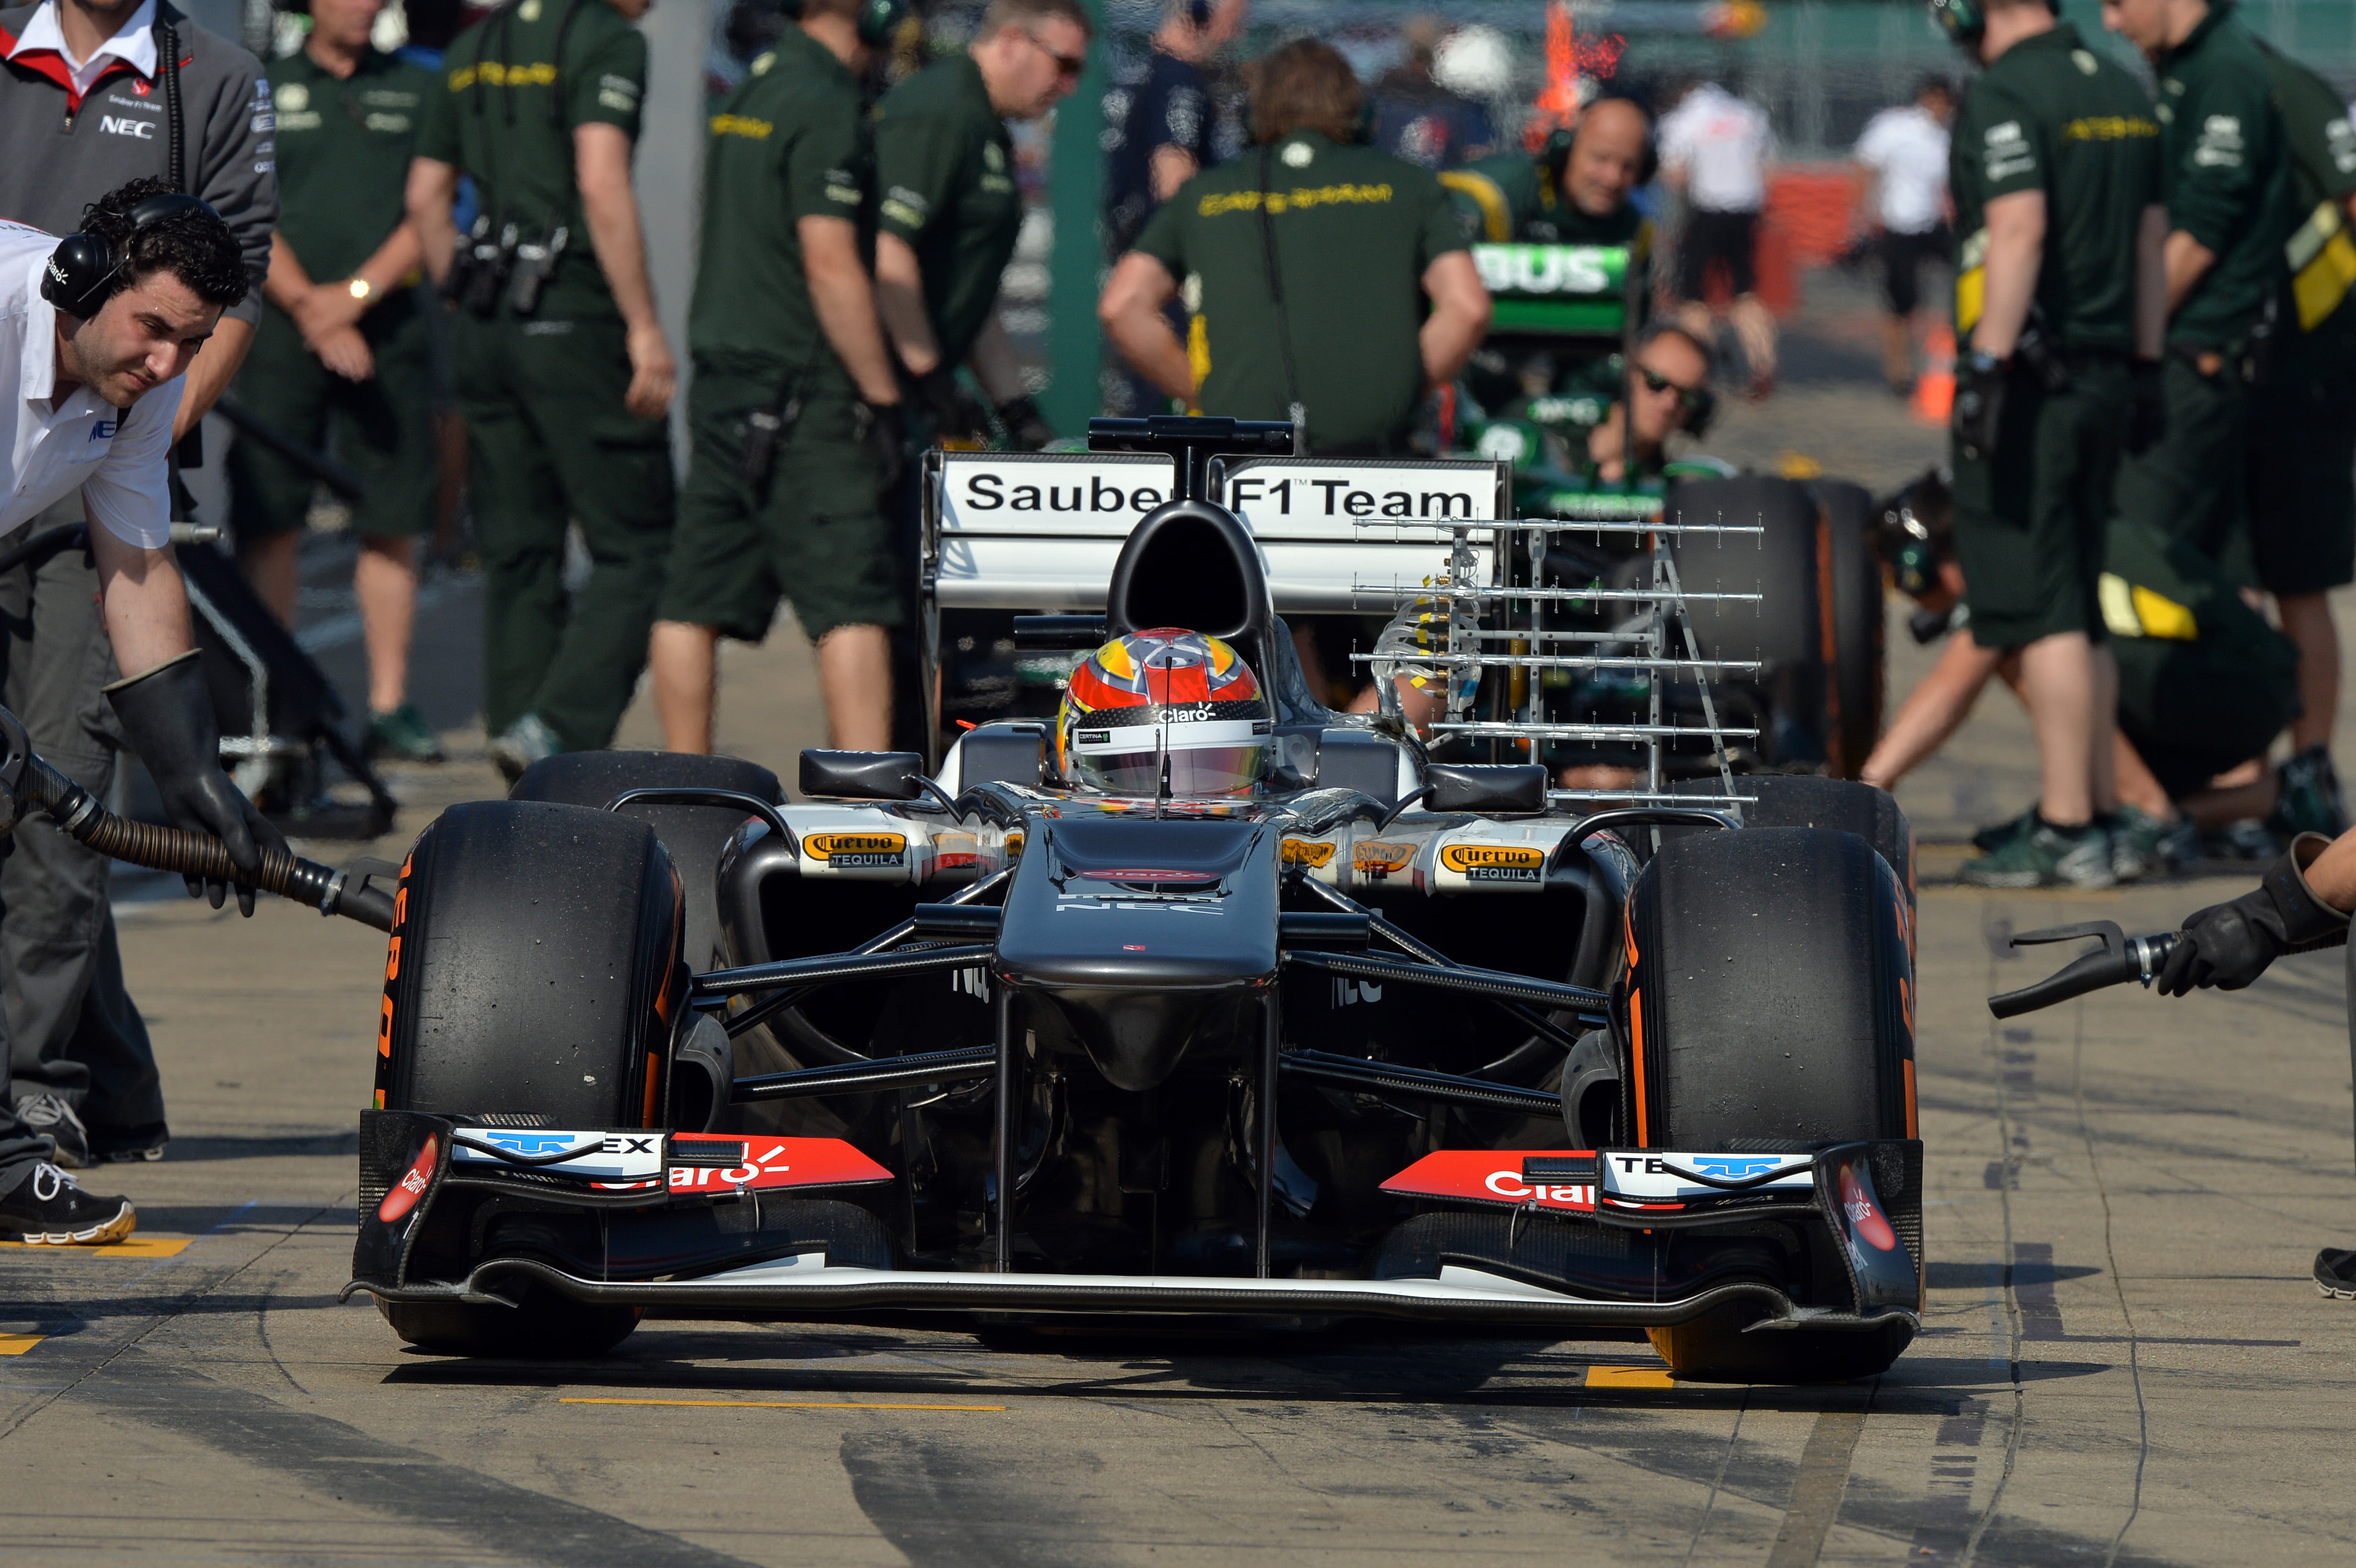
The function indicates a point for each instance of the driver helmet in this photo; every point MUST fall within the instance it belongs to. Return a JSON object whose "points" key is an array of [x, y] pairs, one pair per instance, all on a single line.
{"points": [[1165, 696]]}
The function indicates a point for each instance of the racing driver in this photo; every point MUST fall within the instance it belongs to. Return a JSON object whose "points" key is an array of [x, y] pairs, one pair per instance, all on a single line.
{"points": [[1164, 712]]}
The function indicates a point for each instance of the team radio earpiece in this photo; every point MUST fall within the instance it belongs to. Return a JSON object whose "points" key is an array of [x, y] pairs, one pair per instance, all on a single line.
{"points": [[86, 269]]}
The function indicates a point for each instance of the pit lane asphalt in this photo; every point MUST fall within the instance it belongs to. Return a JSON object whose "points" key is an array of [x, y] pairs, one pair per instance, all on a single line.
{"points": [[2122, 1360]]}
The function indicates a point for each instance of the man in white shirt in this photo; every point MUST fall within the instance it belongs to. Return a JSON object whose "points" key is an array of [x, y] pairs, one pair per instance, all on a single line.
{"points": [[1715, 149], [95, 333], [1902, 189]]}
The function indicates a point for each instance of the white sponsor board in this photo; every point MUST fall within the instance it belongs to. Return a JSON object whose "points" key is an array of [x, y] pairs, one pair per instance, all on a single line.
{"points": [[1041, 530]]}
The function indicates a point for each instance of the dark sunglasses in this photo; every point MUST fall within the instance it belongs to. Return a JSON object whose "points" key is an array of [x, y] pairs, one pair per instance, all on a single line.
{"points": [[1689, 399], [1068, 67]]}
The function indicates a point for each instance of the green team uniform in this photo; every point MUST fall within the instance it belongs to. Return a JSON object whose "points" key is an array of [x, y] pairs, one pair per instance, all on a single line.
{"points": [[2228, 185], [343, 162], [1354, 230], [2051, 115], [542, 391], [945, 177], [2302, 450], [790, 142]]}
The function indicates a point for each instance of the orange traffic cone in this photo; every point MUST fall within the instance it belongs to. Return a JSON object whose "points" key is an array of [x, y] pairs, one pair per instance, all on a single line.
{"points": [[1934, 389]]}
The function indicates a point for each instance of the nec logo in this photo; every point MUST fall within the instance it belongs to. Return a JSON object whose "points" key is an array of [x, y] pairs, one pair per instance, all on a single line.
{"points": [[105, 430], [145, 129]]}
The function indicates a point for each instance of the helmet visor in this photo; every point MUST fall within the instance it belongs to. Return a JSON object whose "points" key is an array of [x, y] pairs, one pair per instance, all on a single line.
{"points": [[1129, 760]]}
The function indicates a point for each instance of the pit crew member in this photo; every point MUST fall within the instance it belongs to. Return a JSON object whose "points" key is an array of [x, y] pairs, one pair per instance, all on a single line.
{"points": [[1306, 265], [949, 211], [794, 409], [1573, 191], [2058, 226], [95, 333]]}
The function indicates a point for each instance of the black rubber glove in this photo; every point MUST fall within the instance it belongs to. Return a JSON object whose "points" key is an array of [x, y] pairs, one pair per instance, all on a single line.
{"points": [[168, 716], [956, 414], [2230, 944], [2147, 425], [1979, 404], [1025, 431], [885, 426]]}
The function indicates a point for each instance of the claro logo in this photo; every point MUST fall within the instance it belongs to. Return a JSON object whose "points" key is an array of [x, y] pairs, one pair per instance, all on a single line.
{"points": [[849, 852], [1496, 862]]}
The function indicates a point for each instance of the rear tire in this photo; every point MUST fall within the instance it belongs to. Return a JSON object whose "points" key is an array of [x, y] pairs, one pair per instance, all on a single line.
{"points": [[533, 977], [694, 835], [1854, 693], [1769, 1005], [1785, 631]]}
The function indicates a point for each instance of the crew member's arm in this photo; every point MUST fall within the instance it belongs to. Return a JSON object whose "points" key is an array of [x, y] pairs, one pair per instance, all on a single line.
{"points": [[601, 165], [2016, 247], [1458, 319], [2153, 293], [1172, 168], [846, 305], [340, 349], [330, 303], [1130, 310], [900, 300], [995, 364], [232, 167], [917, 161], [432, 193], [2219, 186]]}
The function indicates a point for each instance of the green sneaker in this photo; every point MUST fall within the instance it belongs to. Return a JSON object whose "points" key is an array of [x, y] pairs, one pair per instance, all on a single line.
{"points": [[2308, 799], [402, 735], [522, 744], [2047, 857], [2144, 846], [1987, 840]]}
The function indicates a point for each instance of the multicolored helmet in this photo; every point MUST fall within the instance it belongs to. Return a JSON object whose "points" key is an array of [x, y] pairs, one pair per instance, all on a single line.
{"points": [[1164, 698]]}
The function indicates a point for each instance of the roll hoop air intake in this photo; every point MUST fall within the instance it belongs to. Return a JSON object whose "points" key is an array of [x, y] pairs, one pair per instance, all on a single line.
{"points": [[27, 782]]}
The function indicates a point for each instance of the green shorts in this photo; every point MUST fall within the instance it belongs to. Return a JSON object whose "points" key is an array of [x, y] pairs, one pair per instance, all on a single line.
{"points": [[2302, 474], [2190, 485], [817, 536], [2205, 683], [382, 428], [2030, 523]]}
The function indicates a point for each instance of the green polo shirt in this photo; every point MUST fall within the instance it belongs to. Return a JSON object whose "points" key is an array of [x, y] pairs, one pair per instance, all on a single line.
{"points": [[1354, 230], [945, 177], [791, 141], [2227, 176], [514, 89], [2053, 115], [343, 156], [2317, 314], [1511, 198]]}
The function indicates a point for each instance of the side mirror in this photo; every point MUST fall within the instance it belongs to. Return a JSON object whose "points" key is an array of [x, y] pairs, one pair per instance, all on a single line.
{"points": [[1500, 788], [863, 776]]}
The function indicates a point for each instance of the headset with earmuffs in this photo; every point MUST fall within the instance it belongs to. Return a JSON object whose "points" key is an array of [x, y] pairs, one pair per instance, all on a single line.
{"points": [[1965, 21], [878, 21], [86, 269]]}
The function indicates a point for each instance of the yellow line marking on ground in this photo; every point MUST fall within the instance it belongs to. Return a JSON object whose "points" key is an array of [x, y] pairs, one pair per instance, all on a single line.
{"points": [[18, 1344], [1630, 1377], [781, 1404], [138, 1247]]}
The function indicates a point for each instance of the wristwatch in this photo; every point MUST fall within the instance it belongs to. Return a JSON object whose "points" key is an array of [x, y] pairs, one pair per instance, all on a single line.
{"points": [[361, 289]]}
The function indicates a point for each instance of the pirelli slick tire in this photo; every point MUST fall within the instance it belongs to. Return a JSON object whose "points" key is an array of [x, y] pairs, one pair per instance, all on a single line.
{"points": [[1797, 800], [532, 978], [1851, 579], [694, 835], [1770, 1005]]}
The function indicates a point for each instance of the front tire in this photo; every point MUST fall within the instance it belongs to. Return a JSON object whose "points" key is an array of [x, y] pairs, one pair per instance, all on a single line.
{"points": [[532, 978], [1770, 1007]]}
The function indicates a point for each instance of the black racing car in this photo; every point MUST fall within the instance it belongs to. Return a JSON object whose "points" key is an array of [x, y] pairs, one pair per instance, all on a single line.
{"points": [[1383, 1037]]}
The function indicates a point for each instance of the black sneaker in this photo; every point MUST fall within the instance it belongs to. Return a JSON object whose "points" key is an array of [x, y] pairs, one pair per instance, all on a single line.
{"points": [[2308, 798], [55, 1120], [1988, 840], [126, 1146], [2335, 1273], [48, 1208]]}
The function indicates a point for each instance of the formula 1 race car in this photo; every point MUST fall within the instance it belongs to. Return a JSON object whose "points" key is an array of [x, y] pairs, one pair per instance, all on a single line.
{"points": [[1202, 1003]]}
